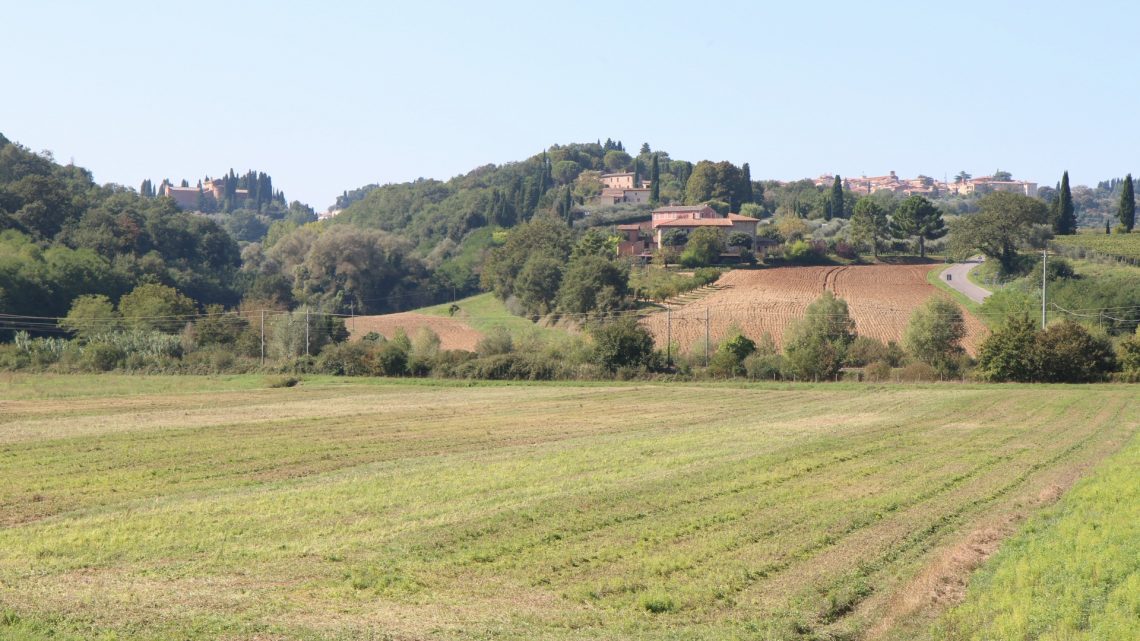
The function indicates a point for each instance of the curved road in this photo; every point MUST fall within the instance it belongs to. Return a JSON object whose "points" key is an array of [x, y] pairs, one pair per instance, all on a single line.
{"points": [[956, 277]]}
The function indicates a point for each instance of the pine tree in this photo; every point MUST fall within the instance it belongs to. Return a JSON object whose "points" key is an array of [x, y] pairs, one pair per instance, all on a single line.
{"points": [[645, 148], [1127, 205], [746, 195], [1065, 222], [835, 206], [655, 181]]}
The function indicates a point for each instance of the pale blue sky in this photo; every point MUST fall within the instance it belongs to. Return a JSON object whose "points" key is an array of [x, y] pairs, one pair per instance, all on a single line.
{"points": [[334, 95]]}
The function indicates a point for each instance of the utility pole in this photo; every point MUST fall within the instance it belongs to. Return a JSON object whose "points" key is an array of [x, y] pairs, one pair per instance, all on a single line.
{"points": [[306, 330], [706, 336], [1044, 257], [352, 314], [669, 335], [263, 338]]}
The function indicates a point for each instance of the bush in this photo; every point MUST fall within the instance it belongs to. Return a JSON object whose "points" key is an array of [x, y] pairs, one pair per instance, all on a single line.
{"points": [[763, 366], [918, 372], [621, 343], [102, 357], [497, 341], [934, 335], [1067, 353], [865, 350], [281, 381], [392, 359], [347, 359], [878, 371]]}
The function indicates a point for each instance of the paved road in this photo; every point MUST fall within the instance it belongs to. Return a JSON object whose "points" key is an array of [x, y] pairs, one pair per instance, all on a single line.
{"points": [[956, 277]]}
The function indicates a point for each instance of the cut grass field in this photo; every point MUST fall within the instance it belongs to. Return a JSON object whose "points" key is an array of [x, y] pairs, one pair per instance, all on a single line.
{"points": [[198, 508], [1072, 573]]}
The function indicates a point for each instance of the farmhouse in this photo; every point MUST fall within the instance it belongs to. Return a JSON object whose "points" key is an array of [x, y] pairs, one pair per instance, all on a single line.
{"points": [[619, 181], [615, 195]]}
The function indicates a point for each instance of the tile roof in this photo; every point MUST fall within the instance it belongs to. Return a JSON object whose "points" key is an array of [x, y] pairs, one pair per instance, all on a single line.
{"points": [[743, 219], [695, 222]]}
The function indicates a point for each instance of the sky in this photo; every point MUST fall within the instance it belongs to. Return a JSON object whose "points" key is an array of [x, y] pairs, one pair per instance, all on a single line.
{"points": [[330, 96]]}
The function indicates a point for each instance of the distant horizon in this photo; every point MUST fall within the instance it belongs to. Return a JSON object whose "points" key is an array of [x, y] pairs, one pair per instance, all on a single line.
{"points": [[157, 179], [331, 98]]}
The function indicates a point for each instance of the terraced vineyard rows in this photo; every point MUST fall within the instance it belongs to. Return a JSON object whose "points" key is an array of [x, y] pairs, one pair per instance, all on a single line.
{"points": [[335, 509], [880, 298]]}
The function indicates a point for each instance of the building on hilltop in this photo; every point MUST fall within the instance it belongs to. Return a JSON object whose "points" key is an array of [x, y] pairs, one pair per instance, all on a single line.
{"points": [[205, 196], [616, 195], [619, 181], [987, 184], [683, 217]]}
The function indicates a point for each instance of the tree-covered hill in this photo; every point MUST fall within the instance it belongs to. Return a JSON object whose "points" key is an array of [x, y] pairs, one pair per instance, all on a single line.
{"points": [[63, 236]]}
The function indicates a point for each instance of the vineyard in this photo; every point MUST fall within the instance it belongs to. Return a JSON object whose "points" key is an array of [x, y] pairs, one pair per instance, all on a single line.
{"points": [[880, 298], [1121, 246]]}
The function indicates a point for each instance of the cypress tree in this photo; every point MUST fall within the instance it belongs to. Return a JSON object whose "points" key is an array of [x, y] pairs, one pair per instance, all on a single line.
{"points": [[835, 207], [568, 204], [1066, 221], [1127, 205], [636, 173], [1107, 228], [655, 181], [746, 195]]}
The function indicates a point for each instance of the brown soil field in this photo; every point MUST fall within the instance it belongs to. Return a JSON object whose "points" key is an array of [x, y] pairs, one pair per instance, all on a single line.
{"points": [[879, 297], [453, 333]]}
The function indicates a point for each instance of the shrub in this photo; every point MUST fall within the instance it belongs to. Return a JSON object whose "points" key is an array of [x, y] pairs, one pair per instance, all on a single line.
{"points": [[865, 350], [496, 341], [918, 372], [1008, 353], [392, 359], [878, 371], [281, 381], [621, 343], [816, 344], [346, 359], [102, 357], [1067, 353], [934, 335], [763, 366]]}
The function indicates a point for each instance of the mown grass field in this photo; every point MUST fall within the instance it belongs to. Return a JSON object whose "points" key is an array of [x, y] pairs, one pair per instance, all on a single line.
{"points": [[200, 508], [1073, 572]]}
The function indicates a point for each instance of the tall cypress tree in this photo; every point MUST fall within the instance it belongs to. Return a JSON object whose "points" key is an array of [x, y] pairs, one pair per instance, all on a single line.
{"points": [[1066, 221], [655, 181], [746, 195], [1127, 205], [568, 204], [835, 206], [636, 173]]}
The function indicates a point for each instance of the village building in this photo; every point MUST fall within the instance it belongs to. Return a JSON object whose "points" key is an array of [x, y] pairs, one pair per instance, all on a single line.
{"points": [[682, 217], [206, 195], [615, 195], [619, 181]]}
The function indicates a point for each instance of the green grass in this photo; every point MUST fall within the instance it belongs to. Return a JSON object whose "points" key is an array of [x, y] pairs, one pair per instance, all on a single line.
{"points": [[1072, 573], [205, 508], [485, 312], [1122, 245]]}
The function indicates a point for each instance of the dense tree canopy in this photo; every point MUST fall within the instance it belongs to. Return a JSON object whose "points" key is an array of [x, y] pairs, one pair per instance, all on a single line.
{"points": [[1004, 222]]}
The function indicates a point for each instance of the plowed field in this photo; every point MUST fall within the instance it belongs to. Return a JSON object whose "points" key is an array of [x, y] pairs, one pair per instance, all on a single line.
{"points": [[453, 333], [879, 297]]}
